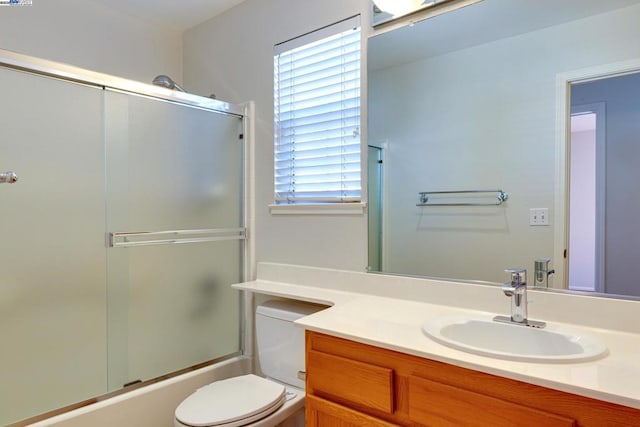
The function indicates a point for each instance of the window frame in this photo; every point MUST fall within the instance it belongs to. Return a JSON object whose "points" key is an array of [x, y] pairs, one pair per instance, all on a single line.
{"points": [[337, 207]]}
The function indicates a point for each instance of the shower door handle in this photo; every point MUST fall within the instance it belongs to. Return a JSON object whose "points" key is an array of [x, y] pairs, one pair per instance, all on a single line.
{"points": [[8, 177]]}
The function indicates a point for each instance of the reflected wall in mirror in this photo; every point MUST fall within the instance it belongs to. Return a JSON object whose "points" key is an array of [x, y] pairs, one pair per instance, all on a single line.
{"points": [[475, 99]]}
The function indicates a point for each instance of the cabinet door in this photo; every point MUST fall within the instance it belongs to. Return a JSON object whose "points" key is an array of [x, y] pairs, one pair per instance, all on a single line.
{"points": [[435, 394], [350, 382], [435, 404], [323, 413]]}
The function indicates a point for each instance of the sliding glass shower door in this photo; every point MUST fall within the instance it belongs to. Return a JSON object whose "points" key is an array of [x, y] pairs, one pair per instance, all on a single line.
{"points": [[174, 216], [120, 240], [52, 262]]}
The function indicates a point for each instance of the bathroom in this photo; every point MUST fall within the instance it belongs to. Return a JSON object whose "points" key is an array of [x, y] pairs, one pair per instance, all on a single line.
{"points": [[231, 55]]}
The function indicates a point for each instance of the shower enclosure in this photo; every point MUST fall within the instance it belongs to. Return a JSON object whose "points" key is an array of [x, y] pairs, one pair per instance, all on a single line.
{"points": [[120, 237]]}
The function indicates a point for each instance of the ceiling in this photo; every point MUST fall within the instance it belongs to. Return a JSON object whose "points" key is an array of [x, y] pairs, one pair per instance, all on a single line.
{"points": [[177, 14]]}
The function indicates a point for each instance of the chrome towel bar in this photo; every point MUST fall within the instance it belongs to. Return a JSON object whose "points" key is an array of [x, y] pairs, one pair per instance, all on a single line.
{"points": [[424, 198], [147, 238]]}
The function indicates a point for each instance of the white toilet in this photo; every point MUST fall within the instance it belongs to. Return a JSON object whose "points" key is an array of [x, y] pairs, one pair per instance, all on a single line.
{"points": [[250, 400]]}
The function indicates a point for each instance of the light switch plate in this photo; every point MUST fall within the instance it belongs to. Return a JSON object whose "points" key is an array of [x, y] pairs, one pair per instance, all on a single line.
{"points": [[538, 216]]}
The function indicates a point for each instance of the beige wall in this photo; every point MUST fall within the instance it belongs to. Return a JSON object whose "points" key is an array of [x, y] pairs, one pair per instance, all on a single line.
{"points": [[88, 35]]}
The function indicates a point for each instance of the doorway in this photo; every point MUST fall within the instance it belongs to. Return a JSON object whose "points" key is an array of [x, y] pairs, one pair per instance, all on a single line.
{"points": [[586, 201]]}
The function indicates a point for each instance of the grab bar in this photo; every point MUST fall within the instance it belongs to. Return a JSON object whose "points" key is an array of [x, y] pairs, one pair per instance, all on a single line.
{"points": [[130, 238], [424, 198]]}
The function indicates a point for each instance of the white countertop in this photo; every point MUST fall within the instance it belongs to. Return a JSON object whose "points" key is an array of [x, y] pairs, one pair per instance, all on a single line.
{"points": [[396, 324]]}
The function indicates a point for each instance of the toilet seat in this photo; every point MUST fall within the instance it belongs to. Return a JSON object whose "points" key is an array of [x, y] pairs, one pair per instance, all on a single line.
{"points": [[232, 402]]}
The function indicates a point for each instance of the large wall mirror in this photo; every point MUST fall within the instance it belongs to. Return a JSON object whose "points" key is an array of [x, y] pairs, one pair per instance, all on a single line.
{"points": [[535, 100]]}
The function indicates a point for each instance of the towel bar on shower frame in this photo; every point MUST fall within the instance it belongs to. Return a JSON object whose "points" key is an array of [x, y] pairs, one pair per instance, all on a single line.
{"points": [[147, 238]]}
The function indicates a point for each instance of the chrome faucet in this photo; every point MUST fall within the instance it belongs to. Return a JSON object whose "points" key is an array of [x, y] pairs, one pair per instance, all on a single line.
{"points": [[516, 289]]}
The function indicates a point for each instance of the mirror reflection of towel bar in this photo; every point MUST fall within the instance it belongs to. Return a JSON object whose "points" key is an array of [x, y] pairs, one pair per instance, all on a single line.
{"points": [[148, 238], [424, 198]]}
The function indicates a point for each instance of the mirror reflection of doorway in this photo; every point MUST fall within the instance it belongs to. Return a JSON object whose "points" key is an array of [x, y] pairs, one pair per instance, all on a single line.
{"points": [[604, 190], [586, 215]]}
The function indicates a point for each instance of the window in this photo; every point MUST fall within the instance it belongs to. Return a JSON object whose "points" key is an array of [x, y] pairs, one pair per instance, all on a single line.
{"points": [[317, 116]]}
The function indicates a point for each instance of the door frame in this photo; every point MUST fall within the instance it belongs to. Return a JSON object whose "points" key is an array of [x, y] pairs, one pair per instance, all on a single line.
{"points": [[563, 139]]}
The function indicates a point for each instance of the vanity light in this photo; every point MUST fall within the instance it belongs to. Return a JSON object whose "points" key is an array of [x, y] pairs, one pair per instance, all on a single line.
{"points": [[400, 7]]}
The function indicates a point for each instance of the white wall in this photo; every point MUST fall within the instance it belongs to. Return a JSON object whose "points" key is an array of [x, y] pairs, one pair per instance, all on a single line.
{"points": [[482, 117], [88, 35], [232, 56]]}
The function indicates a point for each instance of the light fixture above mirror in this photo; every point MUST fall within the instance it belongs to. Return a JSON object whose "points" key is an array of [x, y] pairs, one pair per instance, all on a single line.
{"points": [[386, 11], [400, 7]]}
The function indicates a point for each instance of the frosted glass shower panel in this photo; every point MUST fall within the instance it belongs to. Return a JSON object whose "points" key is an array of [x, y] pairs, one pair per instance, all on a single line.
{"points": [[52, 268], [179, 307], [171, 168]]}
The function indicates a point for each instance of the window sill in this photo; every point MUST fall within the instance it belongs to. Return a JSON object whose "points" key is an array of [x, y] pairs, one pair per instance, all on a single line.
{"points": [[319, 209]]}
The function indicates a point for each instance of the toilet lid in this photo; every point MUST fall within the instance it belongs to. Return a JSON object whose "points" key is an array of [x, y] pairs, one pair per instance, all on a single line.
{"points": [[231, 400]]}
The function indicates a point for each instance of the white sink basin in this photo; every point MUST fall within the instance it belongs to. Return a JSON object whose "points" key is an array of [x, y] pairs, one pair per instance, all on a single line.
{"points": [[481, 335]]}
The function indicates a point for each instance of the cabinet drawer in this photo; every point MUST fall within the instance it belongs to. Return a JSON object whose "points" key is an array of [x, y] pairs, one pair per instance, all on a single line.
{"points": [[436, 404], [350, 381], [323, 413]]}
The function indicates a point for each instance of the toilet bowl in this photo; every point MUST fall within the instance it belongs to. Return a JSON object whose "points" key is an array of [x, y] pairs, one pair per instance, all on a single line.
{"points": [[251, 400]]}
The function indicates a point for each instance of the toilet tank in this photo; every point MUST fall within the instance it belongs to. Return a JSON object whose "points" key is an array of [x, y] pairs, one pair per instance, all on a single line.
{"points": [[280, 342]]}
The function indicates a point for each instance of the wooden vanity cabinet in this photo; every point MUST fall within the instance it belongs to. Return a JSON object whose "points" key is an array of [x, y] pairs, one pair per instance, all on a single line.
{"points": [[352, 384]]}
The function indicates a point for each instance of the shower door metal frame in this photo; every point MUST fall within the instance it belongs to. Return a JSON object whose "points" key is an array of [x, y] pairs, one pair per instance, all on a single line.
{"points": [[70, 73]]}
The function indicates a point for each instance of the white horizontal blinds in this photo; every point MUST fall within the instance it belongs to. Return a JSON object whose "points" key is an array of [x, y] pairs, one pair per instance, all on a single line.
{"points": [[317, 119]]}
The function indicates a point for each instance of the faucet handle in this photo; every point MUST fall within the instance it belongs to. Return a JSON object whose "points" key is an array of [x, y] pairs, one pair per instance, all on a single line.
{"points": [[518, 276]]}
